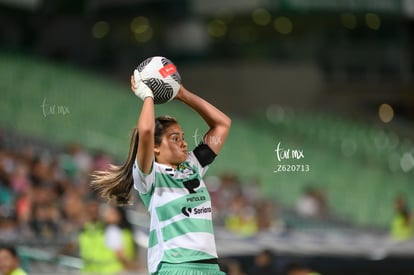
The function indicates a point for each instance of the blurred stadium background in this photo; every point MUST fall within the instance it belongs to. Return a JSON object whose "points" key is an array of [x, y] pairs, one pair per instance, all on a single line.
{"points": [[332, 79]]}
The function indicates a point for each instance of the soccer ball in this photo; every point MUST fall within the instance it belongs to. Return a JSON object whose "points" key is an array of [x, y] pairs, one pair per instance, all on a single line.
{"points": [[161, 76]]}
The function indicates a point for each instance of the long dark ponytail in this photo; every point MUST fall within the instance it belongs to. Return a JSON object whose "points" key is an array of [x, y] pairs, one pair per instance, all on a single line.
{"points": [[115, 184]]}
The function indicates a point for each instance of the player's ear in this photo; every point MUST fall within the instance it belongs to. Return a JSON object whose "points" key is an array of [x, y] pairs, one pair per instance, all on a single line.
{"points": [[156, 150]]}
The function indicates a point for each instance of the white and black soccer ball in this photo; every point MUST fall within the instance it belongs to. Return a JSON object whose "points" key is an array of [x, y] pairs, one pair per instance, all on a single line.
{"points": [[161, 76]]}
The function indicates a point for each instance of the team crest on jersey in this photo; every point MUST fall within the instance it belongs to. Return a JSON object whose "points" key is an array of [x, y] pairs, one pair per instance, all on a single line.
{"points": [[185, 169]]}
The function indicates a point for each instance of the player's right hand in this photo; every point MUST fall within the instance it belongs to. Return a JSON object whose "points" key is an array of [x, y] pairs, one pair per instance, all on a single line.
{"points": [[139, 88]]}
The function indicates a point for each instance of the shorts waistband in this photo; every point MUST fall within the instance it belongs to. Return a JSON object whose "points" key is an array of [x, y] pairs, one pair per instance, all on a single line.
{"points": [[206, 261], [189, 265]]}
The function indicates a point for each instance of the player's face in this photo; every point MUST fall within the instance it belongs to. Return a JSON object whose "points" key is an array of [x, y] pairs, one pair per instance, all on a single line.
{"points": [[173, 148], [7, 262]]}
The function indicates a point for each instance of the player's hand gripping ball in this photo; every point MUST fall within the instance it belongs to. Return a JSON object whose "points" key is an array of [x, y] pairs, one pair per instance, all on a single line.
{"points": [[157, 77]]}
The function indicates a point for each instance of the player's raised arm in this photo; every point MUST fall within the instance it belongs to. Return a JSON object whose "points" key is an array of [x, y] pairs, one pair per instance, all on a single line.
{"points": [[218, 122], [145, 125]]}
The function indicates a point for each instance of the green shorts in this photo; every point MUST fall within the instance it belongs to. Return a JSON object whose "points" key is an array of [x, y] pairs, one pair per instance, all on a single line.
{"points": [[188, 269]]}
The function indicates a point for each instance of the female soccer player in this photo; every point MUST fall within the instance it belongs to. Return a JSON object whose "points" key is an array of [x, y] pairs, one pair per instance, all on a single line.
{"points": [[169, 180]]}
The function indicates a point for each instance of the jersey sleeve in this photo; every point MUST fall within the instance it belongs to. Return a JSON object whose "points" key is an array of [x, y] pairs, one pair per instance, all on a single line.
{"points": [[202, 156], [143, 182]]}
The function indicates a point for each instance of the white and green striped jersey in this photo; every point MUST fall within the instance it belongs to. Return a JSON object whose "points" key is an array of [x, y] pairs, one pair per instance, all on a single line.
{"points": [[181, 228]]}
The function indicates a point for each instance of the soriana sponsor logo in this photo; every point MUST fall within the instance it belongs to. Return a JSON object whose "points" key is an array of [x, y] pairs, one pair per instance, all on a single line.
{"points": [[168, 70]]}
